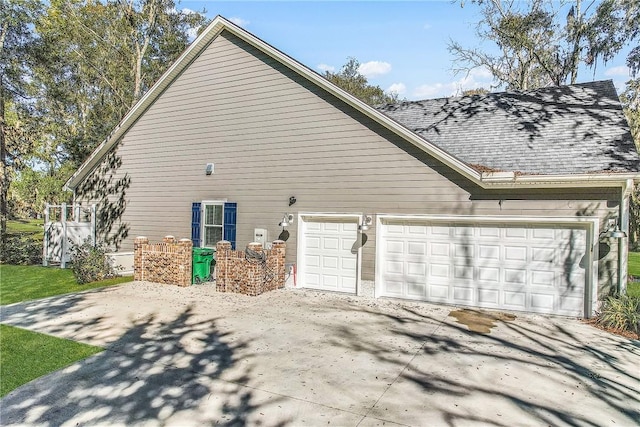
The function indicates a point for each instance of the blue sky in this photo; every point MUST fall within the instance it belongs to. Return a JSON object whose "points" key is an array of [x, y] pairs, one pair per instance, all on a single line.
{"points": [[401, 44]]}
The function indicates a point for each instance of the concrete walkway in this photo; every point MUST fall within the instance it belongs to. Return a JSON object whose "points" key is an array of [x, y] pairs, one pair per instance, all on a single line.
{"points": [[191, 356]]}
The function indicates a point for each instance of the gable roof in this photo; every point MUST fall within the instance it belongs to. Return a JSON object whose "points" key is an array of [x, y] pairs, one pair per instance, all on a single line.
{"points": [[572, 129], [485, 179]]}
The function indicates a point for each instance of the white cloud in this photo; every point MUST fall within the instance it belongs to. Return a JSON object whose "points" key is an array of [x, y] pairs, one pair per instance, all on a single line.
{"points": [[187, 11], [239, 21], [398, 88], [617, 71], [193, 33], [373, 69], [477, 78], [325, 67]]}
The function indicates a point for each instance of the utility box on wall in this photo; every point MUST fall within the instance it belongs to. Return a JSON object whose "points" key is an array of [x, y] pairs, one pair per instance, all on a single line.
{"points": [[260, 236]]}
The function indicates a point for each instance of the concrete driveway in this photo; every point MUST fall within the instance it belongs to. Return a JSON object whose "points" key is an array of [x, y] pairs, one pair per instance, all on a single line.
{"points": [[191, 356]]}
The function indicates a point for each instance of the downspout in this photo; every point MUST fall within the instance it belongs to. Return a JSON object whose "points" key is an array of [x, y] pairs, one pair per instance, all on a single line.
{"points": [[623, 246]]}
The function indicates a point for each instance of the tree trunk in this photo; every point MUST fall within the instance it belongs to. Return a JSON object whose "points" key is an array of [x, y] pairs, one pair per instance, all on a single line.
{"points": [[4, 179]]}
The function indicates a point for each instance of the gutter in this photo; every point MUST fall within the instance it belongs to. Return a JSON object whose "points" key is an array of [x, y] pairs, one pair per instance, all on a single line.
{"points": [[511, 179]]}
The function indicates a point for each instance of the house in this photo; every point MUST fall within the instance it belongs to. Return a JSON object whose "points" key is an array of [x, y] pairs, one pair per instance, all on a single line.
{"points": [[509, 201]]}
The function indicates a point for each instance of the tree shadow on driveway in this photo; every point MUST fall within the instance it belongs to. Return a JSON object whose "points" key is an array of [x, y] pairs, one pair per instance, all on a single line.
{"points": [[523, 373], [157, 372]]}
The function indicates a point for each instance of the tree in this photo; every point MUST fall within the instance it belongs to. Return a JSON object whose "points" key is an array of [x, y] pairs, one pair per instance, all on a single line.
{"points": [[16, 38], [352, 81], [534, 44], [97, 60]]}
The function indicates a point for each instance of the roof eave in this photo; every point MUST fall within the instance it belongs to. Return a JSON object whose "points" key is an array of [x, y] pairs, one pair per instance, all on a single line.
{"points": [[502, 180]]}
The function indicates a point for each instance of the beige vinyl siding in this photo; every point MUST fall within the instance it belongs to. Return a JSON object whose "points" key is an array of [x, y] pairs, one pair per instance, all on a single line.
{"points": [[272, 135]]}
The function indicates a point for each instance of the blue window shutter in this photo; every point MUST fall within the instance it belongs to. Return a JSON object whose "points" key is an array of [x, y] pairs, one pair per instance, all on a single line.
{"points": [[196, 214], [230, 216]]}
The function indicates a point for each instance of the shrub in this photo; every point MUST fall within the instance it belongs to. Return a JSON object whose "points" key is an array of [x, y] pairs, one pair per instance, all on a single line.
{"points": [[89, 263], [21, 249], [621, 313]]}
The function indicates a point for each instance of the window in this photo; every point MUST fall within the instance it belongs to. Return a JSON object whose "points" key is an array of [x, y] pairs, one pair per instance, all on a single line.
{"points": [[213, 221], [212, 224]]}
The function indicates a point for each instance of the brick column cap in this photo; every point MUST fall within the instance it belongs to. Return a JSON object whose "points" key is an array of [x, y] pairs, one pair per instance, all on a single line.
{"points": [[255, 246], [224, 244]]}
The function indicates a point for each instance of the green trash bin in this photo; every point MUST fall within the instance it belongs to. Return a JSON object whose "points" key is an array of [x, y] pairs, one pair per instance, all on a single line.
{"points": [[203, 262]]}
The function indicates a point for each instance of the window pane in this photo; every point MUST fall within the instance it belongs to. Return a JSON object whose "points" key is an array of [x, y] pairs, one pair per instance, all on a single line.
{"points": [[208, 214], [218, 215], [212, 235], [213, 214]]}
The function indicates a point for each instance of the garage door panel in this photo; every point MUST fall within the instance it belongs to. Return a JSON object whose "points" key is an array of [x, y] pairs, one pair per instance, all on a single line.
{"points": [[543, 254], [542, 303], [489, 252], [463, 272], [416, 288], [489, 297], [515, 253], [416, 269], [416, 248], [438, 231], [489, 232], [463, 294], [439, 270], [395, 247], [463, 251], [330, 262], [330, 243], [545, 234], [515, 300], [489, 274], [511, 233], [312, 260], [515, 276], [417, 230], [543, 278], [438, 293], [520, 267]]}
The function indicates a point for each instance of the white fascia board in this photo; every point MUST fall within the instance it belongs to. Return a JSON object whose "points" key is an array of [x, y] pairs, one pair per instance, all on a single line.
{"points": [[496, 181]]}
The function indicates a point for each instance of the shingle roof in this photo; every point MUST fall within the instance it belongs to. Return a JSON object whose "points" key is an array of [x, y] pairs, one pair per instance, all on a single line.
{"points": [[557, 130]]}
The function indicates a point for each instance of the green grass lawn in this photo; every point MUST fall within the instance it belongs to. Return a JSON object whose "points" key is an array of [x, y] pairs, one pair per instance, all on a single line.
{"points": [[26, 355], [28, 282], [25, 226], [633, 288]]}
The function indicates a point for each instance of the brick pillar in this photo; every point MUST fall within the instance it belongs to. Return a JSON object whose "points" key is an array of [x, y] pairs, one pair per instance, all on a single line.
{"points": [[278, 250], [138, 247], [223, 251], [169, 239], [184, 261], [254, 281]]}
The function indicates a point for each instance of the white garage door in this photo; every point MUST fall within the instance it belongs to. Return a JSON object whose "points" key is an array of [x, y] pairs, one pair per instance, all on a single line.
{"points": [[515, 267], [330, 255]]}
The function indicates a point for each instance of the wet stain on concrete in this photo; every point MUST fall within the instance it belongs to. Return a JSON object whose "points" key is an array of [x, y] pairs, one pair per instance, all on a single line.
{"points": [[480, 322]]}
